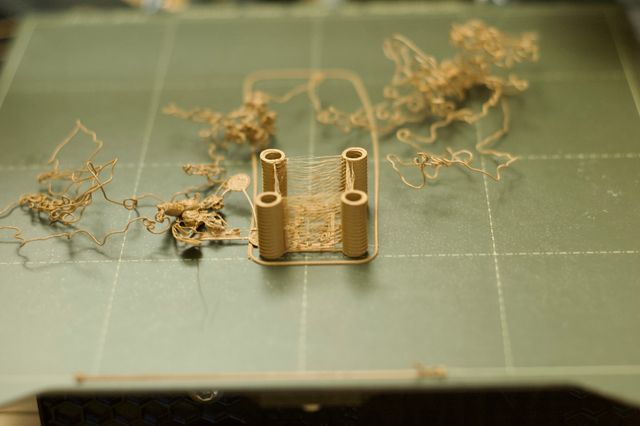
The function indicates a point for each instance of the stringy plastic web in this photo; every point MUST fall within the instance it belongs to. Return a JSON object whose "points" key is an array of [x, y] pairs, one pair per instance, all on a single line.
{"points": [[422, 90], [312, 204]]}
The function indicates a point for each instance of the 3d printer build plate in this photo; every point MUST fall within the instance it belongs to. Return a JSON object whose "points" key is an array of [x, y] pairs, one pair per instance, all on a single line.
{"points": [[534, 280]]}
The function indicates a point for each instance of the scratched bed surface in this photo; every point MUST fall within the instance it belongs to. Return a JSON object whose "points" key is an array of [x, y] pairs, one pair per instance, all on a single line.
{"points": [[534, 280]]}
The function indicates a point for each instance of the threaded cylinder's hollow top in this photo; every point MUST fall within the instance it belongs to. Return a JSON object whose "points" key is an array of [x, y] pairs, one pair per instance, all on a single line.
{"points": [[355, 197], [268, 199], [272, 155], [354, 153]]}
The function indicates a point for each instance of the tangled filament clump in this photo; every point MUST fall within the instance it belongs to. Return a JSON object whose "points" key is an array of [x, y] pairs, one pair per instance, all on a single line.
{"points": [[67, 193], [196, 219], [253, 123], [425, 91]]}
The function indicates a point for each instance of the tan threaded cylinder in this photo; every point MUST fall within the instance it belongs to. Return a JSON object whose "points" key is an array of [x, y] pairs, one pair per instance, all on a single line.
{"points": [[274, 161], [355, 158], [270, 212], [354, 208]]}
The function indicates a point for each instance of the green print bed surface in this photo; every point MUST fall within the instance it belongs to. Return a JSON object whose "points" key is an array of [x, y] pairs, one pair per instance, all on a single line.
{"points": [[534, 280]]}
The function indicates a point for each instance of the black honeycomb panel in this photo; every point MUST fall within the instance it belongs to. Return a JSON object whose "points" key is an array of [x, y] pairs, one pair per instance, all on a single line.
{"points": [[97, 412], [561, 407], [152, 410]]}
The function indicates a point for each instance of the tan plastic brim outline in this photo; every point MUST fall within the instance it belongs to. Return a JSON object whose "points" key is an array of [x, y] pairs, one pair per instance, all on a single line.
{"points": [[328, 74]]}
